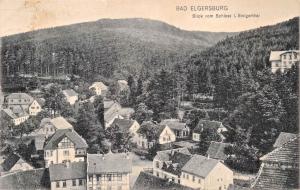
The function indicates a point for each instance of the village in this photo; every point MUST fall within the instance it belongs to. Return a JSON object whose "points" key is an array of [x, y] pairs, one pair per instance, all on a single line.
{"points": [[43, 149]]}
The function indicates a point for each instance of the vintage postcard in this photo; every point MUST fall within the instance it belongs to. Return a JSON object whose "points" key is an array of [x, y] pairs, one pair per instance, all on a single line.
{"points": [[149, 94]]}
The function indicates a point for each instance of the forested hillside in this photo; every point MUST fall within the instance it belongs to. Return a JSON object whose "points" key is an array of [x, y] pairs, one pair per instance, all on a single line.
{"points": [[109, 48]]}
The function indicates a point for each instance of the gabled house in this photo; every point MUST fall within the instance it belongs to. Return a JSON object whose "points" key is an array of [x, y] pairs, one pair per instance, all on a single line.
{"points": [[127, 126], [283, 60], [202, 124], [28, 103], [216, 150], [99, 88], [167, 164], [283, 138], [111, 112], [71, 96], [201, 172], [180, 129], [17, 115], [150, 134], [65, 146], [280, 168], [108, 171], [14, 163], [68, 176]]}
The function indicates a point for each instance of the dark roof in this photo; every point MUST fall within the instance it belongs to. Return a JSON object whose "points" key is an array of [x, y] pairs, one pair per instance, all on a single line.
{"points": [[147, 181], [165, 154], [10, 161], [123, 124], [174, 124], [19, 96], [202, 124], [61, 123], [109, 163], [283, 138], [73, 170], [150, 126], [277, 179], [178, 160], [78, 141], [216, 150], [26, 180], [287, 153], [200, 165], [111, 110]]}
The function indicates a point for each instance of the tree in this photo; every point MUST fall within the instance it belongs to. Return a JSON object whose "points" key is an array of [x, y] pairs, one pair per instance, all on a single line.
{"points": [[119, 139], [54, 99], [206, 136], [99, 109], [142, 113]]}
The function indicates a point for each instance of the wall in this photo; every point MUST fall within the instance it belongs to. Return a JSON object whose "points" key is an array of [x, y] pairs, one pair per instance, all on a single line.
{"points": [[93, 183], [166, 136], [69, 185], [34, 108], [196, 136]]}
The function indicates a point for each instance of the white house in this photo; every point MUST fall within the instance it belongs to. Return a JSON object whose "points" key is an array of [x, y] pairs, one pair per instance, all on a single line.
{"points": [[68, 176], [99, 88], [127, 126], [14, 163], [150, 133], [65, 146], [34, 108], [205, 173], [180, 129], [108, 171], [283, 60], [202, 124], [17, 115], [71, 96]]}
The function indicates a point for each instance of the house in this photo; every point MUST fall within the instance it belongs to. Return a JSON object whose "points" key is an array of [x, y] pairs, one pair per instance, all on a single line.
{"points": [[99, 88], [17, 115], [68, 176], [216, 150], [167, 164], [150, 134], [111, 112], [49, 126], [108, 171], [27, 102], [14, 163], [122, 85], [65, 146], [201, 172], [280, 168], [180, 129], [203, 124], [127, 126], [71, 96], [283, 60], [283, 138], [147, 181]]}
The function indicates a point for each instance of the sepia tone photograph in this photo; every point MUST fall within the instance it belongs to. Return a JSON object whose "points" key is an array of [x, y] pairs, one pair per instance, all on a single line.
{"points": [[149, 94]]}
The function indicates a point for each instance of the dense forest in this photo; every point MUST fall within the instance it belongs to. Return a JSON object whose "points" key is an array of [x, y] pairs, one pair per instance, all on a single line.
{"points": [[107, 48]]}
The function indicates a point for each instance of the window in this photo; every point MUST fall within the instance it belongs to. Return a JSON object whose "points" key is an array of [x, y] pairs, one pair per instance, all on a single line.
{"points": [[157, 174], [119, 177], [194, 178], [66, 153], [74, 182], [66, 143], [51, 152], [109, 177], [157, 164], [64, 184], [90, 177], [187, 176], [183, 175], [290, 56], [57, 184], [199, 181], [295, 56], [51, 162], [80, 182]]}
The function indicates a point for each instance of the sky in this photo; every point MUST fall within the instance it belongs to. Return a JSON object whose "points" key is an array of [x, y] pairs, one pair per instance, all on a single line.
{"points": [[18, 16]]}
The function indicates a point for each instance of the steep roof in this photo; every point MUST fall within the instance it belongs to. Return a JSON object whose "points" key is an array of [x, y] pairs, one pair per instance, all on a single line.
{"points": [[202, 124], [101, 85], [9, 113], [109, 163], [123, 124], [200, 165], [216, 150], [178, 160], [11, 160], [283, 138], [30, 179], [287, 153], [147, 181], [165, 155], [20, 96], [61, 123], [73, 170], [78, 141], [19, 110], [149, 128], [174, 124], [70, 92], [111, 110], [275, 55], [39, 142]]}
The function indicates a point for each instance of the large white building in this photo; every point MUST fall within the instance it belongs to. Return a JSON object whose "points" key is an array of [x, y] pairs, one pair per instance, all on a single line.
{"points": [[283, 60], [65, 146], [109, 171]]}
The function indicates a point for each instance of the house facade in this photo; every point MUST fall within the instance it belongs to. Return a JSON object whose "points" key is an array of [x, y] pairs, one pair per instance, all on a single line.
{"points": [[99, 88], [68, 176], [108, 171], [71, 96], [65, 146], [180, 129], [205, 173], [283, 60], [16, 117], [34, 108]]}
